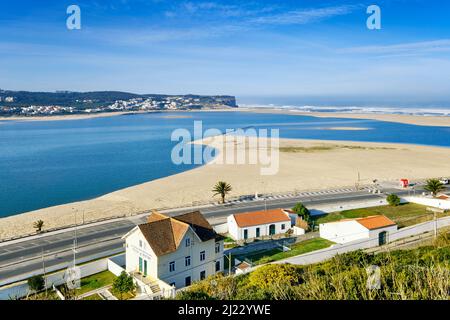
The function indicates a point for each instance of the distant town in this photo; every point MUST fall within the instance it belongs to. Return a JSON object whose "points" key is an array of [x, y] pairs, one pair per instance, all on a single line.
{"points": [[24, 103]]}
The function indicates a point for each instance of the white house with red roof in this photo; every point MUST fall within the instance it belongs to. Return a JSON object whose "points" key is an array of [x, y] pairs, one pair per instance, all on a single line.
{"points": [[248, 225], [347, 230]]}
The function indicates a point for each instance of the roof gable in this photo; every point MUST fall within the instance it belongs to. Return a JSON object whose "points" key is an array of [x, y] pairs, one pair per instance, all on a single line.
{"points": [[199, 225], [165, 234]]}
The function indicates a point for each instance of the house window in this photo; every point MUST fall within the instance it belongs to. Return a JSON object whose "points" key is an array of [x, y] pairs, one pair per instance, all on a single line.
{"points": [[187, 281], [218, 247], [172, 266], [283, 226], [202, 275], [258, 232], [202, 256], [188, 242], [140, 243], [217, 266], [140, 264], [245, 234], [187, 261]]}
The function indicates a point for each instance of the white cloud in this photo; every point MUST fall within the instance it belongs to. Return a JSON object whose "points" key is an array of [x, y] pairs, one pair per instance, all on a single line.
{"points": [[442, 45], [305, 16]]}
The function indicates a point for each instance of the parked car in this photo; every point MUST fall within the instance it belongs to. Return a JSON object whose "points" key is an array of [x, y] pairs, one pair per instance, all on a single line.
{"points": [[444, 181]]}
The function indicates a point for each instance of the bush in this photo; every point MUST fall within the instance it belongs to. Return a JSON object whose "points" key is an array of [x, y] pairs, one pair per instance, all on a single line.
{"points": [[36, 283], [123, 284], [192, 295], [216, 287], [268, 275], [302, 211], [393, 200]]}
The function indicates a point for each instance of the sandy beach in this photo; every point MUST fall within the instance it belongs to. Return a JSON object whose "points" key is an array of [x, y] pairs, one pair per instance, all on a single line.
{"points": [[398, 118], [303, 165], [435, 121], [107, 114]]}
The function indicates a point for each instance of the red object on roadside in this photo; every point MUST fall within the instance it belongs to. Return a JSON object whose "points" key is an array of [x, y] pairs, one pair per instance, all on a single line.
{"points": [[404, 183]]}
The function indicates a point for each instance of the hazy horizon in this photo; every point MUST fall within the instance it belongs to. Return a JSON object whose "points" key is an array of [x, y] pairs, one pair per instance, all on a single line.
{"points": [[275, 48]]}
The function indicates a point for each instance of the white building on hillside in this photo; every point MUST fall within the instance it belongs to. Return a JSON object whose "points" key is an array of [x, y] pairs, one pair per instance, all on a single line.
{"points": [[374, 227], [441, 202], [248, 225], [175, 250]]}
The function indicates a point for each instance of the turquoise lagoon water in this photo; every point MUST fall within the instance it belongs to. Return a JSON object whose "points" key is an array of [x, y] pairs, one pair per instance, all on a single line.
{"points": [[46, 163]]}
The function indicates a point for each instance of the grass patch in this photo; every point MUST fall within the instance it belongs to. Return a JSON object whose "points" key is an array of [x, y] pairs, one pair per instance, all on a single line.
{"points": [[49, 295], [96, 281], [319, 148], [404, 215], [93, 297], [265, 256], [228, 239], [125, 296]]}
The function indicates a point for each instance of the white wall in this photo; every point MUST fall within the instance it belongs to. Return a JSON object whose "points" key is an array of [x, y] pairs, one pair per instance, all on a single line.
{"points": [[193, 251], [134, 251], [237, 232], [391, 231], [233, 228], [221, 228], [436, 203], [117, 264], [21, 289], [298, 231], [343, 231]]}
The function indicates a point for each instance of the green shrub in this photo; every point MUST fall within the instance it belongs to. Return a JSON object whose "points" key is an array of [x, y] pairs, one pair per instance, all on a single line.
{"points": [[302, 211], [393, 200]]}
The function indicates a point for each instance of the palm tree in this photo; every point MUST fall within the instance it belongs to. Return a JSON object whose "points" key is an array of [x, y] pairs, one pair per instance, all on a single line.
{"points": [[434, 186], [222, 188], [38, 225]]}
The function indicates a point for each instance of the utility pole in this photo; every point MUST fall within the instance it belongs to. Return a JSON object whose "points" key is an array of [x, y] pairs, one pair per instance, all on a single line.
{"points": [[435, 225], [75, 242], [229, 263], [359, 179], [43, 270]]}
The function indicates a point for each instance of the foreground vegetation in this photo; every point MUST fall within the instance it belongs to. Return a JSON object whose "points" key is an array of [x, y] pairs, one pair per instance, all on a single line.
{"points": [[421, 273], [404, 214]]}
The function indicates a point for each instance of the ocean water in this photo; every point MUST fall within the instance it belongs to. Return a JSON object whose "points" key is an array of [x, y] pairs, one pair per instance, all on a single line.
{"points": [[46, 163]]}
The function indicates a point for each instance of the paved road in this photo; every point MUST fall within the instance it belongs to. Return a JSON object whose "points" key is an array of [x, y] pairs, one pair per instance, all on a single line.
{"points": [[26, 256]]}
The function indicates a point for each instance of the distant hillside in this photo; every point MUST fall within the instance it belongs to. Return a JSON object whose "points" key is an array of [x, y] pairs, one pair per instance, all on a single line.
{"points": [[28, 103]]}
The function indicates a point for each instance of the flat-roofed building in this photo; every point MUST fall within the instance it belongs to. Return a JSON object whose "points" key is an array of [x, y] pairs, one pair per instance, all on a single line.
{"points": [[374, 227]]}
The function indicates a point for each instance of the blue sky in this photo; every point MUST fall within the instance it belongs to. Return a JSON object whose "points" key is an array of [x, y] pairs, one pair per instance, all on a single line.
{"points": [[244, 48]]}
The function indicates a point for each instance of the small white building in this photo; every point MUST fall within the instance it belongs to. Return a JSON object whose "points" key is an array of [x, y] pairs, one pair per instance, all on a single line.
{"points": [[175, 250], [248, 225], [440, 202], [373, 227]]}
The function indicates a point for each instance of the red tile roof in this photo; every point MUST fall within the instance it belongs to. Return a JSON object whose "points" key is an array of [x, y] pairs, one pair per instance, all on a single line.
{"points": [[375, 222], [257, 218]]}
